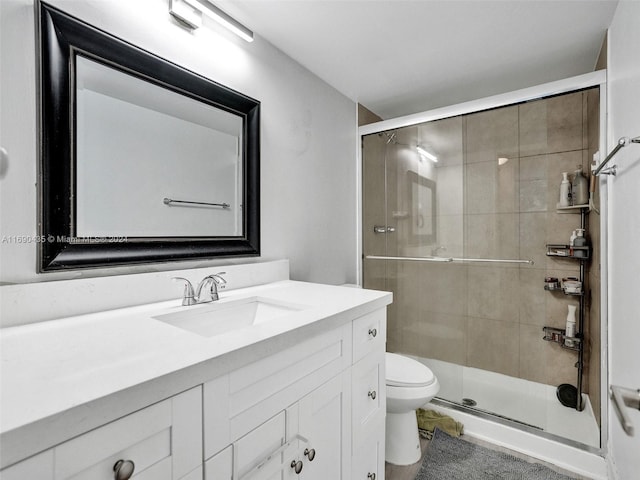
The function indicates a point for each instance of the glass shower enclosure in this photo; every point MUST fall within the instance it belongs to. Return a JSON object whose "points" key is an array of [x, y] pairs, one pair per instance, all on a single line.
{"points": [[457, 213]]}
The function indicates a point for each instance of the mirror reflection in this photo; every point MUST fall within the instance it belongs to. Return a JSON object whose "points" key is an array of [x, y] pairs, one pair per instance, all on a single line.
{"points": [[151, 162], [422, 200]]}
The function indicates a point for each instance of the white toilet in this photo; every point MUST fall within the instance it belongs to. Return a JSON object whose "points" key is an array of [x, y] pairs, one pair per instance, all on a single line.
{"points": [[410, 385]]}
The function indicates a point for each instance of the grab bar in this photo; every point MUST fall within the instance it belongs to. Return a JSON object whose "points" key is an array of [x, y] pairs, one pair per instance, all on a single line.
{"points": [[623, 142], [169, 201], [625, 397], [448, 259]]}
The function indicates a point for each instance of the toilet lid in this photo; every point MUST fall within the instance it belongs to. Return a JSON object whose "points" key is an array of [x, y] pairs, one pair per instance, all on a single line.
{"points": [[406, 372]]}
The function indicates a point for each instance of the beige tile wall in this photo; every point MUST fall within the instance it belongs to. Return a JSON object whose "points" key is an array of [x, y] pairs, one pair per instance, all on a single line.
{"points": [[490, 316], [366, 116]]}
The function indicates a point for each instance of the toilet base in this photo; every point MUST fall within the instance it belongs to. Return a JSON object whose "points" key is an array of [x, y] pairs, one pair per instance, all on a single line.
{"points": [[402, 443]]}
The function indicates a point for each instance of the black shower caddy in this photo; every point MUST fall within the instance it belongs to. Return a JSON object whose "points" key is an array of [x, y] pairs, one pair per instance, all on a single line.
{"points": [[558, 335]]}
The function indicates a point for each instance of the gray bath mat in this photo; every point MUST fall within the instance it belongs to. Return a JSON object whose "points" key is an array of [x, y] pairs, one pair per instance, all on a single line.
{"points": [[449, 458]]}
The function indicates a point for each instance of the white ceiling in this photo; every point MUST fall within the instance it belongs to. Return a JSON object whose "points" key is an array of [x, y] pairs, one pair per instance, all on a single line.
{"points": [[398, 57]]}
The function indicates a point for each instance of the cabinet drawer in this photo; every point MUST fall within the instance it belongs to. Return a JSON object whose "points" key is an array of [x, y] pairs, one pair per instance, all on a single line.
{"points": [[368, 395], [369, 334], [368, 458], [258, 444], [38, 467], [235, 403], [164, 441]]}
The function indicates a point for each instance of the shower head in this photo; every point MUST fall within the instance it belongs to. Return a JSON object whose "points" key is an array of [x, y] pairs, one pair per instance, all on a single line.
{"points": [[391, 136]]}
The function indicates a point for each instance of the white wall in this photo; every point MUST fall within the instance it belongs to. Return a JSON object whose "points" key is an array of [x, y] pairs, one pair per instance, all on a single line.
{"points": [[308, 138], [121, 184], [624, 228]]}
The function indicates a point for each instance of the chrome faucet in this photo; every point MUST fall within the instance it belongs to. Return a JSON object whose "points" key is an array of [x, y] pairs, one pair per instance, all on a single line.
{"points": [[191, 297], [217, 282]]}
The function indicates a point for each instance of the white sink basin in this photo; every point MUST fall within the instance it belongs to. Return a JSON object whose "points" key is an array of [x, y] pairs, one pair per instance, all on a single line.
{"points": [[216, 318]]}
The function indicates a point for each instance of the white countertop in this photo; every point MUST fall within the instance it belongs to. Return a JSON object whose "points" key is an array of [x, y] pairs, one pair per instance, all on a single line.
{"points": [[62, 377]]}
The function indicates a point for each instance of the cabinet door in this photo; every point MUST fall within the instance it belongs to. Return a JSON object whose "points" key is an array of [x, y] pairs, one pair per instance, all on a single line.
{"points": [[320, 422], [164, 442], [368, 458], [368, 397], [220, 466], [256, 449]]}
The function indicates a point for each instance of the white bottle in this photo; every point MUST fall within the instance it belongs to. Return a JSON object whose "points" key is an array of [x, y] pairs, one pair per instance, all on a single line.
{"points": [[572, 240], [565, 191], [570, 329]]}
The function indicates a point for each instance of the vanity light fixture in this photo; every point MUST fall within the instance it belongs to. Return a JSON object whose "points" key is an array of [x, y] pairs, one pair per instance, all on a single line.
{"points": [[191, 11], [425, 154]]}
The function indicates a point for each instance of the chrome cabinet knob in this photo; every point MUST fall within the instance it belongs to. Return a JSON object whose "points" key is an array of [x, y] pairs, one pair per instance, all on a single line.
{"points": [[123, 469], [297, 466], [310, 454], [372, 394], [371, 476], [373, 332]]}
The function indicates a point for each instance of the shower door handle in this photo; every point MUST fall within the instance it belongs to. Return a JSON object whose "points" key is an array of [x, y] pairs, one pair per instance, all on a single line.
{"points": [[625, 397], [383, 229]]}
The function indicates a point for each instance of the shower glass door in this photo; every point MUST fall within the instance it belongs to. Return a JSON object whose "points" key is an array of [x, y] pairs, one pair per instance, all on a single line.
{"points": [[481, 190], [413, 207]]}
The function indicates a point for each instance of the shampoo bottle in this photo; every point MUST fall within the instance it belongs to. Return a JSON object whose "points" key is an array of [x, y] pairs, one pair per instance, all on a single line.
{"points": [[580, 241], [565, 191], [571, 326], [579, 188]]}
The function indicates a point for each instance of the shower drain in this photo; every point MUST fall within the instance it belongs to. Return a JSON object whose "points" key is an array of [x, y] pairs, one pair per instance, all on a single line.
{"points": [[469, 402]]}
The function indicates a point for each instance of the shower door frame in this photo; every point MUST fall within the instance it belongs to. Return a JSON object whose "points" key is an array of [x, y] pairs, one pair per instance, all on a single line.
{"points": [[567, 85]]}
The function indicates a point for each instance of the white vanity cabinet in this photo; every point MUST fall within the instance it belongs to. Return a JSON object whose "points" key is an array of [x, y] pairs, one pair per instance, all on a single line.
{"points": [[320, 421], [368, 397], [307, 403], [293, 400], [160, 442], [307, 410]]}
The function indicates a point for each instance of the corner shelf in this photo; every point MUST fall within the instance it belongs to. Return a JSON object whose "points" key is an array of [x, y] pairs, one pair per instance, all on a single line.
{"points": [[560, 289], [557, 335], [564, 251], [574, 208]]}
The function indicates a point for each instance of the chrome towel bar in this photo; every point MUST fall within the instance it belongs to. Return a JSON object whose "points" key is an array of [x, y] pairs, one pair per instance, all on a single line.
{"points": [[492, 260], [413, 259], [623, 142], [622, 397], [169, 201], [448, 259]]}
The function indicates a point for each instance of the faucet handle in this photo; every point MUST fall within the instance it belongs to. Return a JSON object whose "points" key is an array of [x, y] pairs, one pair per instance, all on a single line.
{"points": [[221, 281], [189, 296]]}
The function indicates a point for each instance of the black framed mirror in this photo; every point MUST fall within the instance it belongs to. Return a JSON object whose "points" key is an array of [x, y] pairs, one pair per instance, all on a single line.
{"points": [[140, 160]]}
